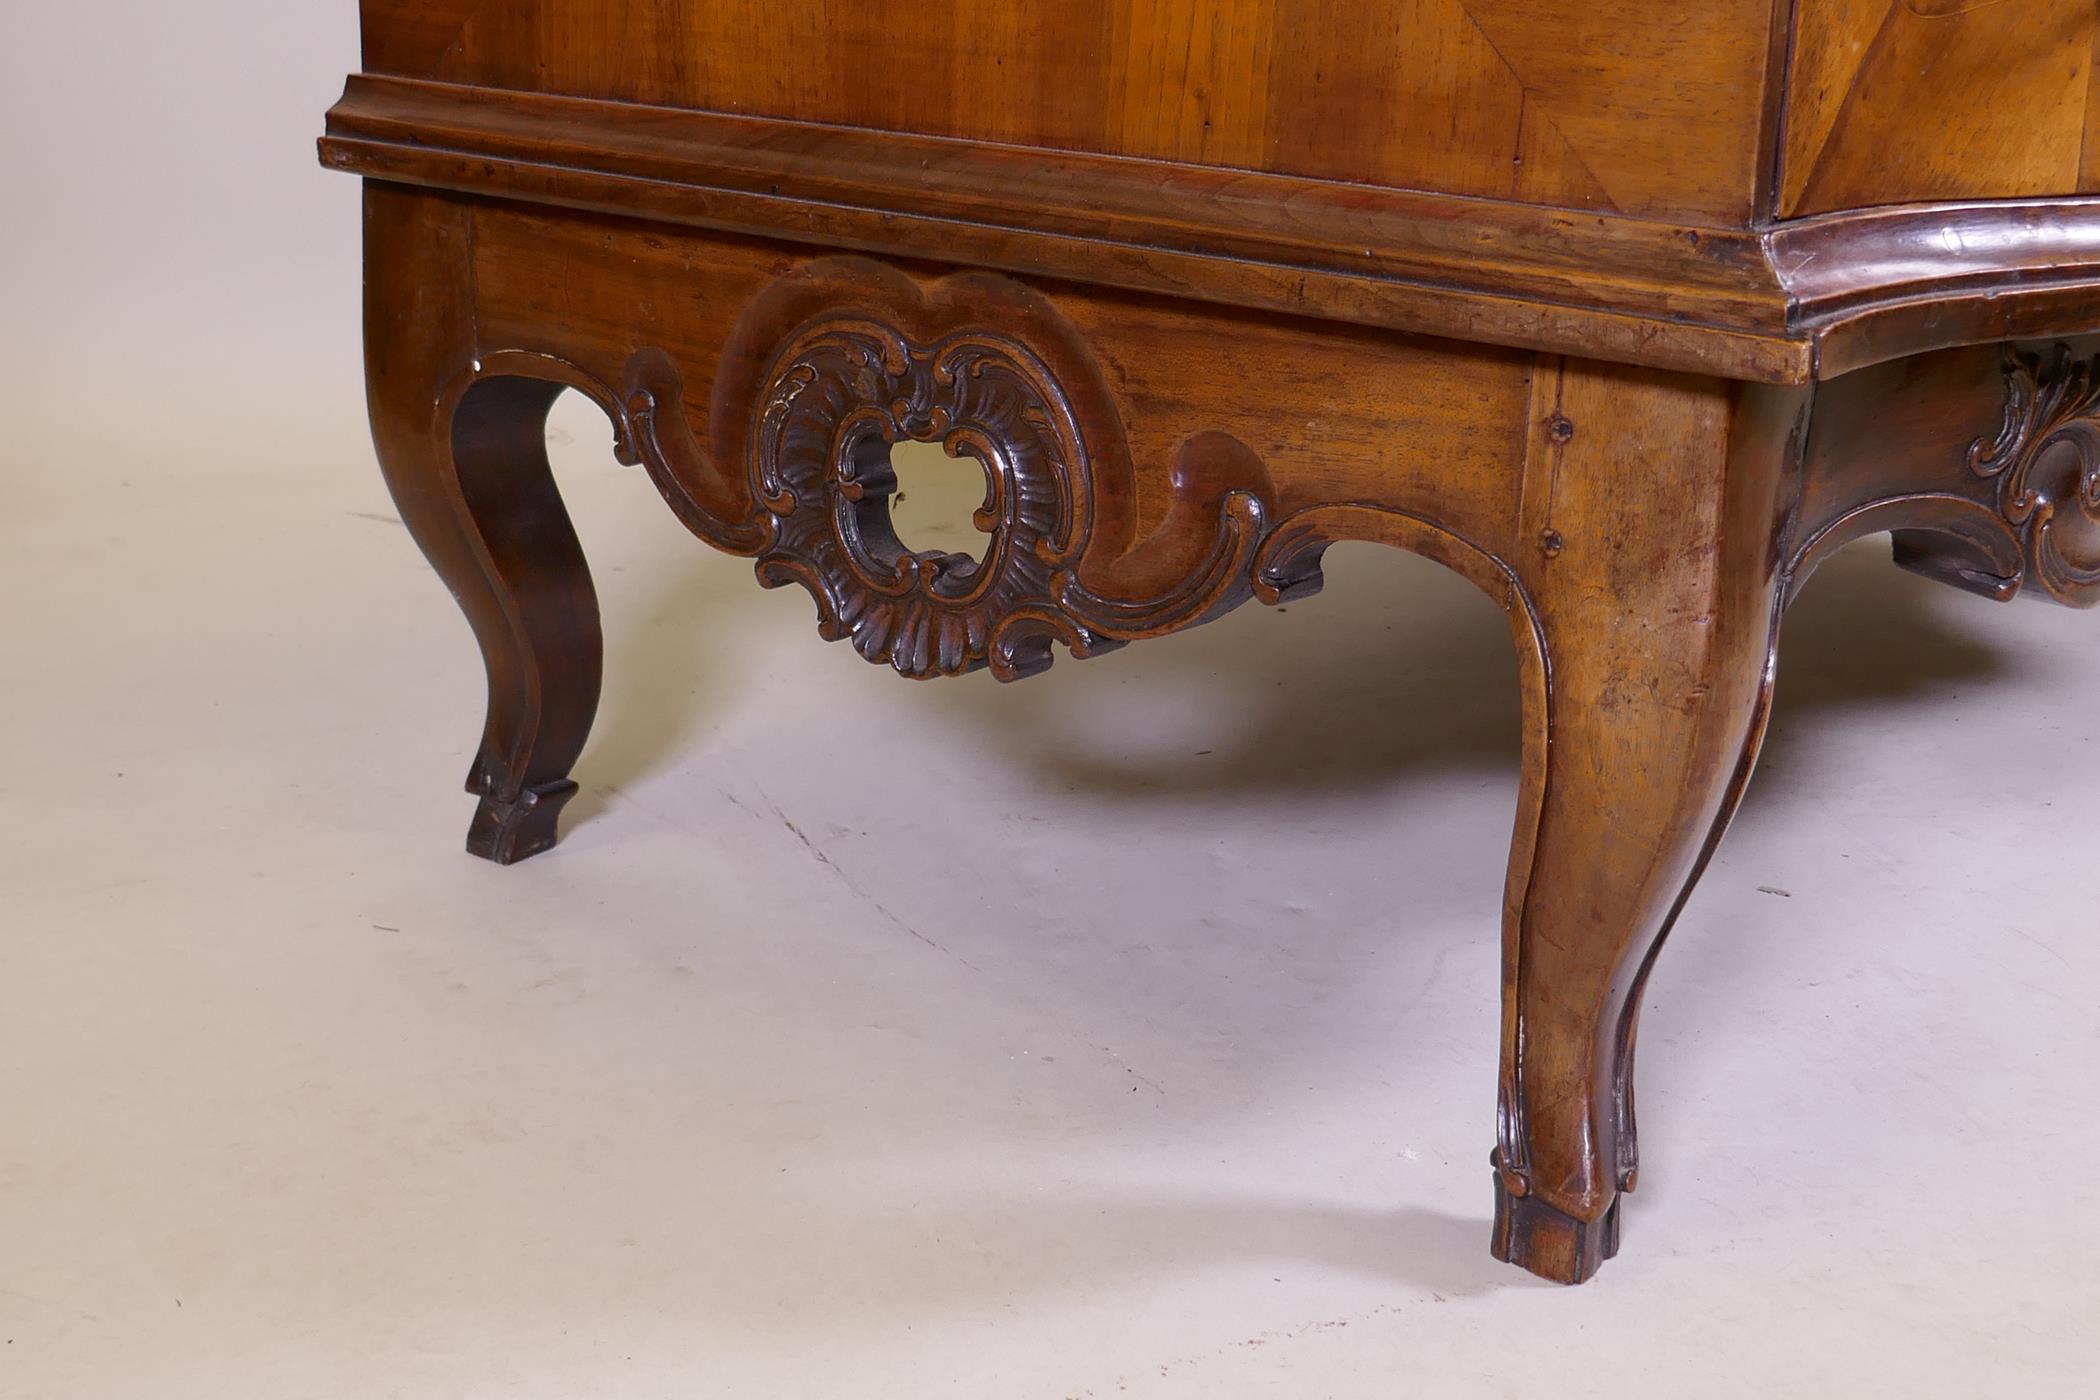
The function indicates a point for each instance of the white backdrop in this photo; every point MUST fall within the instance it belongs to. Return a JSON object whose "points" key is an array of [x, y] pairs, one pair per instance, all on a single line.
{"points": [[169, 242]]}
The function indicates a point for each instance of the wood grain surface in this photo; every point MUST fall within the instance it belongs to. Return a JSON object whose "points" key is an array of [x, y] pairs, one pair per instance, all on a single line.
{"points": [[1907, 101], [1802, 299], [1550, 101]]}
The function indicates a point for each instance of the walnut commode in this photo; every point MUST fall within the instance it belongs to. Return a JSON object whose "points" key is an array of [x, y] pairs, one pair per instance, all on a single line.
{"points": [[1629, 313]]}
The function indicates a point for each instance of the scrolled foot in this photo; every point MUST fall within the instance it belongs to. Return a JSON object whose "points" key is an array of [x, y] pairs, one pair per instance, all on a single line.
{"points": [[1546, 1241], [507, 831]]}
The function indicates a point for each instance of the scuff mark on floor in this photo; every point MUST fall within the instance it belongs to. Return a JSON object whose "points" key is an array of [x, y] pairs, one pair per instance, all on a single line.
{"points": [[1263, 1339], [1153, 1084], [825, 860]]}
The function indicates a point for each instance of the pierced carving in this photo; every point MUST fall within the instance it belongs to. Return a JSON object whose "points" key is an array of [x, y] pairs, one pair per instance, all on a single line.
{"points": [[842, 393], [2045, 462], [832, 366]]}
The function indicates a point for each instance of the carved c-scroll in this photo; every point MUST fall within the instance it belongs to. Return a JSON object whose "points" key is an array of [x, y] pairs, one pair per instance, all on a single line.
{"points": [[1896, 448], [831, 366], [838, 396], [2045, 466]]}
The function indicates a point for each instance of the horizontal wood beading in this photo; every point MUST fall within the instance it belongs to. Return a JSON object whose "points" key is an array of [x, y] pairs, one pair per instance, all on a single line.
{"points": [[1801, 300], [1514, 274]]}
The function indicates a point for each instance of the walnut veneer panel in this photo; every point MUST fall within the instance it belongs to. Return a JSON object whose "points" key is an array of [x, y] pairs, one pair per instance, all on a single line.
{"points": [[1898, 101], [1549, 101]]}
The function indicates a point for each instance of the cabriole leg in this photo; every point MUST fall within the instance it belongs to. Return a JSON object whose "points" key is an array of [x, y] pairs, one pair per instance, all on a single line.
{"points": [[1653, 602], [466, 461]]}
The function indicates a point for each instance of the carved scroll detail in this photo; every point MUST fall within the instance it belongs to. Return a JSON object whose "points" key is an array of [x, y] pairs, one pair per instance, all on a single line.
{"points": [[1894, 448], [841, 394], [2045, 462], [832, 366]]}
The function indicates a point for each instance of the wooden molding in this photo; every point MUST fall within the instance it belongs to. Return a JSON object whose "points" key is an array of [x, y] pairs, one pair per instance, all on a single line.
{"points": [[1874, 285], [1511, 274], [1811, 299]]}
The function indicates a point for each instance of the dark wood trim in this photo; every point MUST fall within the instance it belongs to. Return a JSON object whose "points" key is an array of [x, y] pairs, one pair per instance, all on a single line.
{"points": [[1873, 285], [1809, 299], [1522, 275], [1983, 461]]}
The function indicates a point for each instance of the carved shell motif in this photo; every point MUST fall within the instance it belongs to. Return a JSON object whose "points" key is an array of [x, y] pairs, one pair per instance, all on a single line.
{"points": [[841, 396], [832, 366], [2046, 464]]}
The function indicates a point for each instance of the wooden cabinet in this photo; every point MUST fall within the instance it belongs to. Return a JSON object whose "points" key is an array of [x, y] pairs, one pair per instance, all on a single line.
{"points": [[1529, 286]]}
